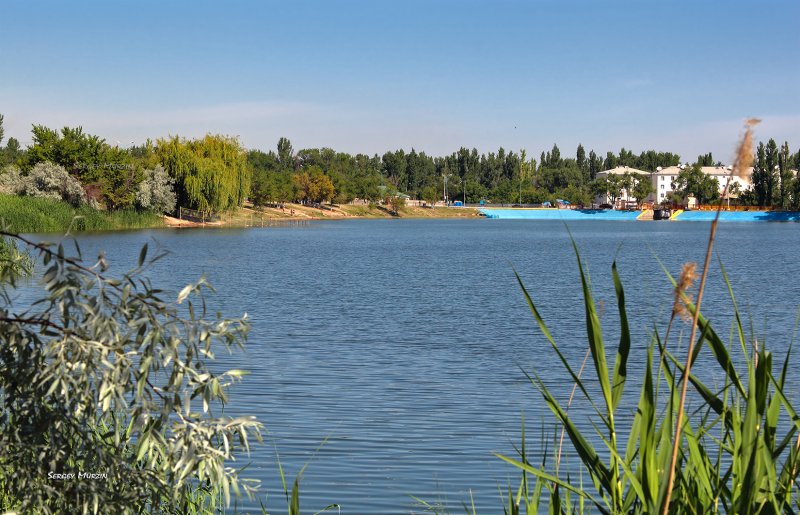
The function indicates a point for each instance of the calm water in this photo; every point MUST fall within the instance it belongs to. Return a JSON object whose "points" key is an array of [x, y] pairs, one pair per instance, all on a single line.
{"points": [[402, 342]]}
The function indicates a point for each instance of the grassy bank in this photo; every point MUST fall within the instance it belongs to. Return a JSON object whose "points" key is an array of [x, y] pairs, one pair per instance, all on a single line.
{"points": [[365, 211], [28, 214]]}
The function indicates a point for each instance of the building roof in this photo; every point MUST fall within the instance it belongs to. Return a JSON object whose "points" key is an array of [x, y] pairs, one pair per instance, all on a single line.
{"points": [[716, 171], [620, 170]]}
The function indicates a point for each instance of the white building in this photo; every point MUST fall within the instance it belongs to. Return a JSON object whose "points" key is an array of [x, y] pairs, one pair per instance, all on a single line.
{"points": [[626, 198], [663, 178]]}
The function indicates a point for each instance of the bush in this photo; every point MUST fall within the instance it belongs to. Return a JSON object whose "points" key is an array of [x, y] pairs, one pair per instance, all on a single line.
{"points": [[155, 192], [45, 180], [104, 376]]}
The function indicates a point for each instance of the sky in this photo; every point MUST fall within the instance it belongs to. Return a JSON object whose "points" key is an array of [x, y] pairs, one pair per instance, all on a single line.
{"points": [[434, 75]]}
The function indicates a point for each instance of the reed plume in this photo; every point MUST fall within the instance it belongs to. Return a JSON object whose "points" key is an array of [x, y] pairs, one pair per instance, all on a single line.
{"points": [[742, 161]]}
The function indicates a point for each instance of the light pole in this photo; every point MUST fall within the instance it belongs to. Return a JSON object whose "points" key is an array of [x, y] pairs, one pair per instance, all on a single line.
{"points": [[445, 175]]}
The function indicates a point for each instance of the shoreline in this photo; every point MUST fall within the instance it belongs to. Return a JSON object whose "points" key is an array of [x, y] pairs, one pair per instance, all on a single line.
{"points": [[292, 213]]}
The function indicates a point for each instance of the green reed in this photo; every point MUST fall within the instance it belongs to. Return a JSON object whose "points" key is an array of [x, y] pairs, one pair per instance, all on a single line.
{"points": [[36, 215]]}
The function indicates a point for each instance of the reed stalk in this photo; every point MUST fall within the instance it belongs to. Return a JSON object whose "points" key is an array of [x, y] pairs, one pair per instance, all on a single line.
{"points": [[744, 157]]}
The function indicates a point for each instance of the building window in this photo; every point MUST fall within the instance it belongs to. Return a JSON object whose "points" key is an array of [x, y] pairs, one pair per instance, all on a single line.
{"points": [[662, 187], [662, 195]]}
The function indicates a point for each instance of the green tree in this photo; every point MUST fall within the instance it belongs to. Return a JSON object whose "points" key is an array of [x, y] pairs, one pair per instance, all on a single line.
{"points": [[785, 176], [617, 185], [395, 165], [106, 376], [705, 160], [431, 195], [107, 173], [211, 174], [2, 130], [691, 181], [11, 154], [760, 178], [642, 187], [595, 165], [600, 188], [580, 159], [771, 165], [285, 154]]}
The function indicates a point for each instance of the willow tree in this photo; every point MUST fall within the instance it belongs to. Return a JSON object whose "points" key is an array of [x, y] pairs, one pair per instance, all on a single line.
{"points": [[211, 174]]}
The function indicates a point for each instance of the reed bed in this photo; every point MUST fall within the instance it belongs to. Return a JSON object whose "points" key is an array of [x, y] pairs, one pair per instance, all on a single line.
{"points": [[36, 215], [737, 451]]}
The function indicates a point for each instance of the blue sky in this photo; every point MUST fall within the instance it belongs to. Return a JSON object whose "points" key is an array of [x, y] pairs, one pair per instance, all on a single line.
{"points": [[435, 75]]}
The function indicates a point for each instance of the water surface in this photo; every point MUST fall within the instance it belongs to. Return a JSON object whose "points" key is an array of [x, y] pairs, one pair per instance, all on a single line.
{"points": [[403, 342]]}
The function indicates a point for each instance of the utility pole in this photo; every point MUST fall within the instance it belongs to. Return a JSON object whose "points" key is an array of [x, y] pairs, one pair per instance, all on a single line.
{"points": [[521, 169], [445, 175]]}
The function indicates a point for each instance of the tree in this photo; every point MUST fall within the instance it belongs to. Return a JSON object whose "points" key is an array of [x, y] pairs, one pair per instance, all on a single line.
{"points": [[600, 188], [580, 159], [595, 165], [705, 160], [785, 176], [642, 187], [12, 152], [285, 154], [691, 181], [395, 165], [760, 177], [394, 200], [155, 192], [314, 186], [2, 130], [431, 195], [617, 184], [105, 376], [771, 175], [211, 174]]}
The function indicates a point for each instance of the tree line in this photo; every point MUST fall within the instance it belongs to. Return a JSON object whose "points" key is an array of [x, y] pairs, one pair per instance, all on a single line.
{"points": [[216, 173]]}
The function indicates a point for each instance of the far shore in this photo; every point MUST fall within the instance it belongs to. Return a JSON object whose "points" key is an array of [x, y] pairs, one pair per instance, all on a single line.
{"points": [[250, 216]]}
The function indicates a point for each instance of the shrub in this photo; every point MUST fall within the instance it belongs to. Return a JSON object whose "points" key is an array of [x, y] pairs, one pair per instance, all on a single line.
{"points": [[155, 192], [45, 180], [104, 376]]}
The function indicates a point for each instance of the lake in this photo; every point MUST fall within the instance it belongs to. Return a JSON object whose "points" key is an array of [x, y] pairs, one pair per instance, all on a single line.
{"points": [[402, 343]]}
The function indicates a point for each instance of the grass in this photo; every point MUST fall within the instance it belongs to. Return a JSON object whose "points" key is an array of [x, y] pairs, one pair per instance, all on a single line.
{"points": [[34, 215]]}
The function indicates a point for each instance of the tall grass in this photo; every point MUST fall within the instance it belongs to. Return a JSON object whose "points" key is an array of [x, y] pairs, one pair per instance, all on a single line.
{"points": [[29, 214], [738, 451]]}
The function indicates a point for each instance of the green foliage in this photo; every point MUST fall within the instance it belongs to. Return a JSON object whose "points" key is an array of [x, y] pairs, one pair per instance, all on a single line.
{"points": [[106, 376], [642, 187], [11, 154], [691, 181], [211, 174], [786, 178], [737, 454], [106, 171], [766, 178], [313, 185], [431, 195], [37, 215], [705, 160], [14, 263]]}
